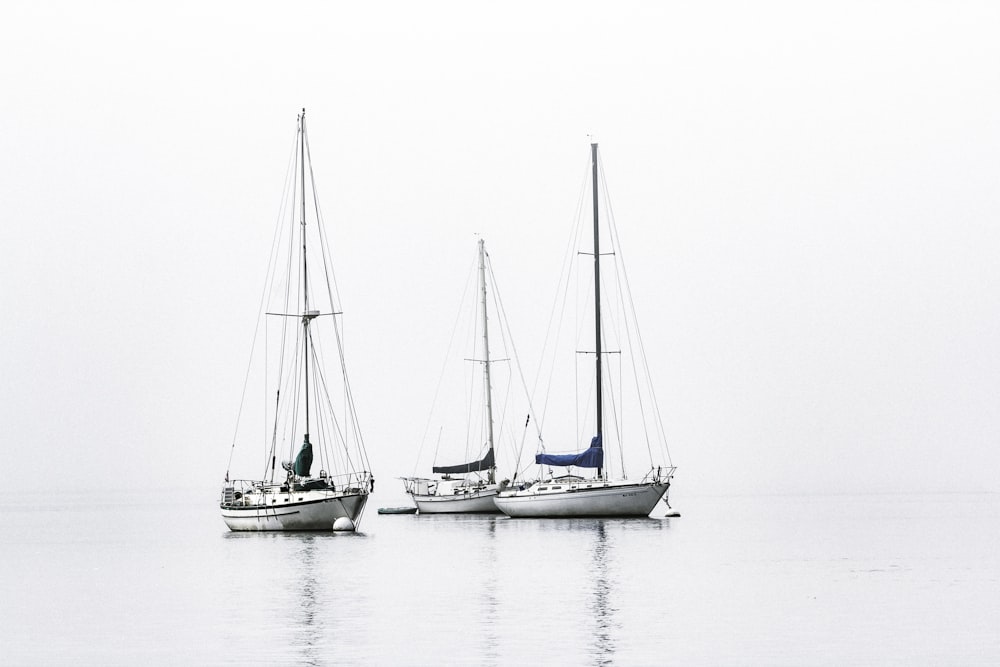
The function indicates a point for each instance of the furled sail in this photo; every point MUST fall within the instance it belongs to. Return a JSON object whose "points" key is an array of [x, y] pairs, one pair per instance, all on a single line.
{"points": [[304, 459], [592, 457], [485, 463]]}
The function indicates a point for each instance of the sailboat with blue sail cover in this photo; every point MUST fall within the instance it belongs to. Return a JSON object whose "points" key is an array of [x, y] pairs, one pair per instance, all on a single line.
{"points": [[598, 494]]}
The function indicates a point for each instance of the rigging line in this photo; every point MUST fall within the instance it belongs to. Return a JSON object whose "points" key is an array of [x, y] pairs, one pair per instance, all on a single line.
{"points": [[320, 436], [436, 447], [273, 258], [349, 399], [335, 445], [328, 264], [621, 277], [318, 381], [501, 431], [564, 283], [617, 411], [474, 380], [632, 359], [350, 406], [260, 308], [356, 422], [620, 414], [471, 383], [642, 347], [581, 428], [319, 363], [613, 316], [564, 273], [289, 262], [444, 366], [286, 381], [333, 293], [290, 183], [337, 430], [505, 324], [329, 272], [288, 418], [506, 339], [300, 352]]}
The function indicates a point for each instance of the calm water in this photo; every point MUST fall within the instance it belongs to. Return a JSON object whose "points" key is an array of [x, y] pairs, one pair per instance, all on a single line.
{"points": [[819, 580]]}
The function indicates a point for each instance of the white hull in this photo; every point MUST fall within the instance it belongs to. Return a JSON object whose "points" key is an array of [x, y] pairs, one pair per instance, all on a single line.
{"points": [[583, 499], [467, 503], [316, 511]]}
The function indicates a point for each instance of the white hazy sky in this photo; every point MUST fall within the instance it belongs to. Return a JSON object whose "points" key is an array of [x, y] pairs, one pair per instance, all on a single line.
{"points": [[808, 196]]}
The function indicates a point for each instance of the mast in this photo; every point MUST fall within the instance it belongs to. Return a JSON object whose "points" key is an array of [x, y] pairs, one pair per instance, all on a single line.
{"points": [[597, 305], [305, 275], [486, 353]]}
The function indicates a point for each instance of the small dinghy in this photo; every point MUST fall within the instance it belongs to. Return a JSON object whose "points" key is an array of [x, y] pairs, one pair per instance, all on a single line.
{"points": [[397, 510]]}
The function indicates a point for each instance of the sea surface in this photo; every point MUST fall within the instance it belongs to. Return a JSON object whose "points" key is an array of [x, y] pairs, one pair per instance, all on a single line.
{"points": [[151, 579]]}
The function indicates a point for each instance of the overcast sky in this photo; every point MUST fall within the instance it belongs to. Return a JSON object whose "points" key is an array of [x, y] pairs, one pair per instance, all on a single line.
{"points": [[808, 195]]}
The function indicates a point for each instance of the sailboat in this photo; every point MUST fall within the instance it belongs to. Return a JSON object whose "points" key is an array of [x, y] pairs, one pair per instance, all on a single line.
{"points": [[455, 495], [600, 495], [300, 385]]}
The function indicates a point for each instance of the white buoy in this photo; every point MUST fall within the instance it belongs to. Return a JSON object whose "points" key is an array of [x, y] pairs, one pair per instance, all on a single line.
{"points": [[343, 525]]}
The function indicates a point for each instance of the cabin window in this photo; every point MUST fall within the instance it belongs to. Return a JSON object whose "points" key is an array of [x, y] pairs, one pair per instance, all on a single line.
{"points": [[543, 488], [556, 487]]}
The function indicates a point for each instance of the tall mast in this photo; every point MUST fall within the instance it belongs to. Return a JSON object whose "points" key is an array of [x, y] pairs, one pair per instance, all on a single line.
{"points": [[597, 305], [305, 275], [486, 357]]}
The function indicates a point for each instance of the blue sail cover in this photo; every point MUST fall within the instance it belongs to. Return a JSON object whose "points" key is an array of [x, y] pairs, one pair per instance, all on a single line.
{"points": [[592, 457], [304, 459], [485, 464]]}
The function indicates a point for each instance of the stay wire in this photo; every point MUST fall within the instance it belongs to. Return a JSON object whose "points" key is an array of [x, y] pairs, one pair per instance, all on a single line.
{"points": [[641, 346], [329, 275], [562, 286], [441, 374], [508, 340], [260, 312]]}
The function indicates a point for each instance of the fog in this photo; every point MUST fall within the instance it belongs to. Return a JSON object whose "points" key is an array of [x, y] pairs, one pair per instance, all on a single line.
{"points": [[807, 196]]}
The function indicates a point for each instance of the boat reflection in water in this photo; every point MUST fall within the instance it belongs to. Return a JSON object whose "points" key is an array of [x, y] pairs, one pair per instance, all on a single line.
{"points": [[601, 610], [490, 589]]}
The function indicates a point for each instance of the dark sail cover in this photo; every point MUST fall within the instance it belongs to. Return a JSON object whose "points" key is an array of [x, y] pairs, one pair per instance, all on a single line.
{"points": [[475, 466], [304, 459], [592, 457]]}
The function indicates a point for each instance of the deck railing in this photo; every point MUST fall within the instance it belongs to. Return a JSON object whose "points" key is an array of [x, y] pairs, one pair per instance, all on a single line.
{"points": [[235, 491]]}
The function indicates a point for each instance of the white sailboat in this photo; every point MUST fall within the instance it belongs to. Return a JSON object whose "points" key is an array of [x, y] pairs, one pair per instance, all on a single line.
{"points": [[471, 492], [300, 385], [600, 495]]}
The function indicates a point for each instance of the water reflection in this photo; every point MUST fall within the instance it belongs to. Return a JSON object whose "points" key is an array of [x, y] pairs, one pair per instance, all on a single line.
{"points": [[601, 609], [304, 613], [491, 653], [308, 614], [417, 584], [603, 589]]}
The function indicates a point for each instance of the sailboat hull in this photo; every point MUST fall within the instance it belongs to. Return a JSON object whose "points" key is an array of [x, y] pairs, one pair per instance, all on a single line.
{"points": [[478, 502], [583, 500], [308, 514]]}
